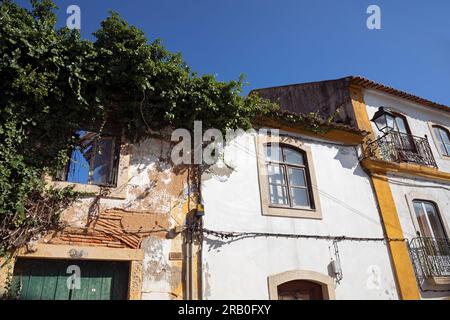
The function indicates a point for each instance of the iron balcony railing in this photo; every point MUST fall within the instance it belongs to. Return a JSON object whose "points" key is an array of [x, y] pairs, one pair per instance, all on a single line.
{"points": [[431, 257], [400, 147]]}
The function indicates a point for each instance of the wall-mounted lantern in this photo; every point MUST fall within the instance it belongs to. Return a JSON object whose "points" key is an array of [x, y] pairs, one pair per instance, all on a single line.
{"points": [[384, 119]]}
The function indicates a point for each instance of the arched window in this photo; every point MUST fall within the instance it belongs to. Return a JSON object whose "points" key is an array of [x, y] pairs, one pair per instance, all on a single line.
{"points": [[288, 177], [300, 290], [301, 285], [443, 140], [429, 219]]}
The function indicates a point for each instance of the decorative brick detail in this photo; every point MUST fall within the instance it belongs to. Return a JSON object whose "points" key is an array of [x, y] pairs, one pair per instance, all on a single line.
{"points": [[115, 228]]}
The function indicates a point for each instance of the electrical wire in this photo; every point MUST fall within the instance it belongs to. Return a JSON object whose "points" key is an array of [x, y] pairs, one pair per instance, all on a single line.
{"points": [[237, 234], [322, 192]]}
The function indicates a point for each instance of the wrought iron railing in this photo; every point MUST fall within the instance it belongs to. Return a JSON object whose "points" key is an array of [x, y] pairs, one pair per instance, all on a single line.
{"points": [[431, 257], [400, 147]]}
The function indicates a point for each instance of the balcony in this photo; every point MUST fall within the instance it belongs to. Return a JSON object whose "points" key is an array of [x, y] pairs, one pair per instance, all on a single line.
{"points": [[400, 147], [431, 260]]}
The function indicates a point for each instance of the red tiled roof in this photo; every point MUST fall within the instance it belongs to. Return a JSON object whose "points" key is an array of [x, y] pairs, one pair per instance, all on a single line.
{"points": [[366, 83]]}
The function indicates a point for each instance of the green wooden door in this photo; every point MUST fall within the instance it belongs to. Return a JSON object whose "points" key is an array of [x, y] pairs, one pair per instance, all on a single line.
{"points": [[49, 280]]}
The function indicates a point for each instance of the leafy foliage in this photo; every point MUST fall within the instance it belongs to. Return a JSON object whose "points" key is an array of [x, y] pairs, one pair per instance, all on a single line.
{"points": [[54, 82]]}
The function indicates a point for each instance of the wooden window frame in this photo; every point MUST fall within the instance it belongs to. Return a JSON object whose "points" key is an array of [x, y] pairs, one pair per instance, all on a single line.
{"points": [[114, 162], [282, 210], [286, 166], [119, 191]]}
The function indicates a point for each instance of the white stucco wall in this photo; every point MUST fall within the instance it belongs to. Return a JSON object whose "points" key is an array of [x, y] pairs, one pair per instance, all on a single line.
{"points": [[418, 118], [240, 269], [406, 189]]}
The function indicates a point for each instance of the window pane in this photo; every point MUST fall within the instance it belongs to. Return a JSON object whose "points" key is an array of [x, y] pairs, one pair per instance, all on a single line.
{"points": [[300, 197], [278, 195], [80, 159], [401, 126], [444, 135], [447, 149], [441, 146], [103, 161], [446, 141], [422, 219], [275, 174], [272, 153], [435, 222], [293, 157], [297, 177]]}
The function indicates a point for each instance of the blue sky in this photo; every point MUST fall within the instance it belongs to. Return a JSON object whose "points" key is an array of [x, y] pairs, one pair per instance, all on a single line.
{"points": [[292, 41]]}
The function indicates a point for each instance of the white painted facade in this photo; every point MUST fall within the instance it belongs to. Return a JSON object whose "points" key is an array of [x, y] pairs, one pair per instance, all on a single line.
{"points": [[239, 269], [408, 188]]}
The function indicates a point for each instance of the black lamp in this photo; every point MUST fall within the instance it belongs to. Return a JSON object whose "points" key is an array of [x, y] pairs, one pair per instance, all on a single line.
{"points": [[384, 119]]}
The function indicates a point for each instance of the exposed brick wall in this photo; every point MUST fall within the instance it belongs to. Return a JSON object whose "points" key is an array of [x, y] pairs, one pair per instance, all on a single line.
{"points": [[115, 228]]}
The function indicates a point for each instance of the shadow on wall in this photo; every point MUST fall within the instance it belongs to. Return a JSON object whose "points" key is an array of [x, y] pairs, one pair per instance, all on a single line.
{"points": [[349, 160], [216, 244]]}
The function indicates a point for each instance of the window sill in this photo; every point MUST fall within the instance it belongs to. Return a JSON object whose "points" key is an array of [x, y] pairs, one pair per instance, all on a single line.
{"points": [[103, 191], [289, 212], [119, 192]]}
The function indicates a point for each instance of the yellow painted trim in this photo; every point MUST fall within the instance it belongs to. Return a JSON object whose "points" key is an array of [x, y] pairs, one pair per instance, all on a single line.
{"points": [[383, 167], [401, 262], [360, 110], [403, 268], [331, 135]]}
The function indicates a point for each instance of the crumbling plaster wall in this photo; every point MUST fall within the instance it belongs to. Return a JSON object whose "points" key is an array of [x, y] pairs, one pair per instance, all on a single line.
{"points": [[156, 201]]}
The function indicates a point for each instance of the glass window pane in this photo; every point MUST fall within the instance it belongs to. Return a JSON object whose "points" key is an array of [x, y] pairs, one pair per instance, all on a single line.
{"points": [[300, 197], [275, 174], [444, 135], [443, 140], [79, 165], [387, 121], [435, 222], [441, 146], [272, 153], [297, 177], [447, 149], [278, 195], [422, 219], [401, 125], [103, 161], [293, 157]]}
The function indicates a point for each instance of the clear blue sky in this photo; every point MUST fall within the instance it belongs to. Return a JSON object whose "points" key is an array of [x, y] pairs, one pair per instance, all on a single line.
{"points": [[291, 41]]}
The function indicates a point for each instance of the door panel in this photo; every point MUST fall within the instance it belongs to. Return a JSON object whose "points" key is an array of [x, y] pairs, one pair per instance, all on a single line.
{"points": [[300, 290], [47, 280]]}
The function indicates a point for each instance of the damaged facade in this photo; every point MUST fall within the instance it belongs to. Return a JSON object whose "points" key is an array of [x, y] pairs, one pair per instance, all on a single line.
{"points": [[350, 213], [135, 224]]}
